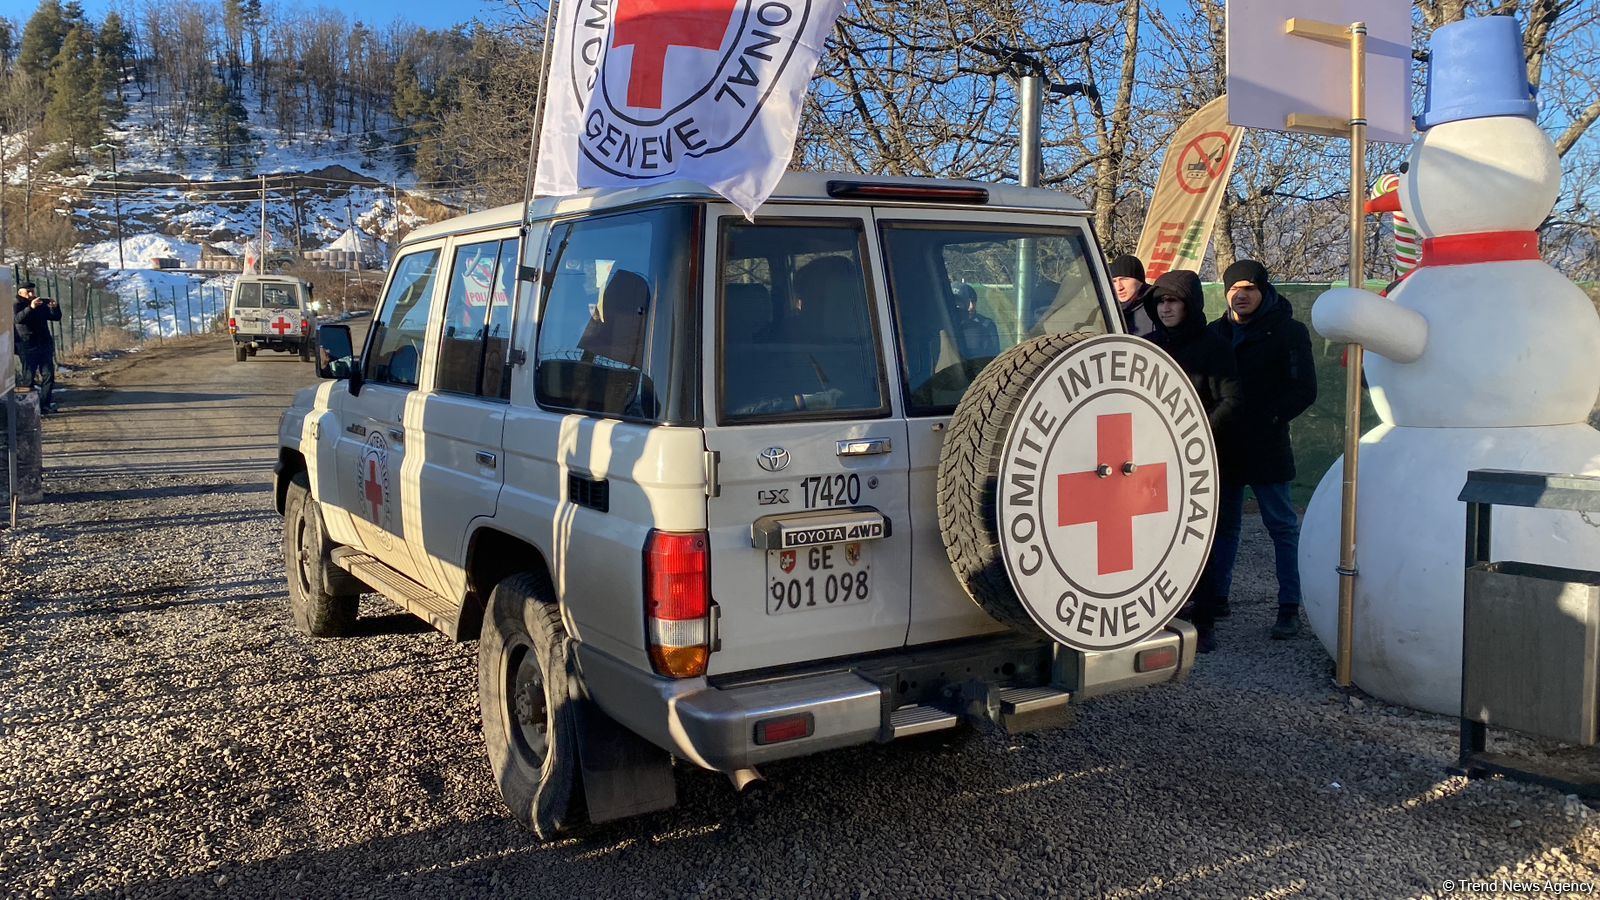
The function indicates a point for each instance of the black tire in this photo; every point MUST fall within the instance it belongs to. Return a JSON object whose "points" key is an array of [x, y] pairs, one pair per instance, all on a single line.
{"points": [[238, 353], [322, 597], [527, 694], [968, 467], [250, 351], [305, 351]]}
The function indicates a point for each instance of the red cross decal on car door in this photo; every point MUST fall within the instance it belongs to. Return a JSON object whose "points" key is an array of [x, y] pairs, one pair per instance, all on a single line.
{"points": [[1113, 494], [651, 26]]}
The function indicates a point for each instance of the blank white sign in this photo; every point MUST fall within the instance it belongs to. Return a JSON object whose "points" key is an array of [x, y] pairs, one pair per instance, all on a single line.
{"points": [[1272, 74]]}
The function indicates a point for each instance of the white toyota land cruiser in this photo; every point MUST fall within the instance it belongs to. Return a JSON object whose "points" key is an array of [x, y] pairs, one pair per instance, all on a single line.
{"points": [[729, 491]]}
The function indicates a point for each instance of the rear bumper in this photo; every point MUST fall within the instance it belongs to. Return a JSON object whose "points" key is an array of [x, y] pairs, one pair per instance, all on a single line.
{"points": [[854, 702]]}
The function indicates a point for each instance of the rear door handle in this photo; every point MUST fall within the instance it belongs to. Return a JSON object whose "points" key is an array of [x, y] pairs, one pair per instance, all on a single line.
{"points": [[397, 434], [486, 459], [865, 447]]}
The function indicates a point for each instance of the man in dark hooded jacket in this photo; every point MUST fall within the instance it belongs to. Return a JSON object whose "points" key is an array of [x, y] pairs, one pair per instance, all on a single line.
{"points": [[1134, 298], [36, 347], [1208, 361], [1273, 353]]}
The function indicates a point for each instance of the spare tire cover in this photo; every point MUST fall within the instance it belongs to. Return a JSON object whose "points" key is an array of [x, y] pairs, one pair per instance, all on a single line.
{"points": [[1078, 489]]}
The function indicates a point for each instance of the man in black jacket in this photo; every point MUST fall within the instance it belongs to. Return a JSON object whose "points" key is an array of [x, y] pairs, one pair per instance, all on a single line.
{"points": [[36, 348], [1133, 296], [1273, 353], [1208, 361]]}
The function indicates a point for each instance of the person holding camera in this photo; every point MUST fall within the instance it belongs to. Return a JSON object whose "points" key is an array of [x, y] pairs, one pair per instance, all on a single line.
{"points": [[36, 347]]}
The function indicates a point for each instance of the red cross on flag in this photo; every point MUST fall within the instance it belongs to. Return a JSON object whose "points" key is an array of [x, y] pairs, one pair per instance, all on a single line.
{"points": [[642, 91]]}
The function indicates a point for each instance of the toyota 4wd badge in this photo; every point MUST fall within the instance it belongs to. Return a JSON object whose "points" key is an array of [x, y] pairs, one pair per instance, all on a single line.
{"points": [[1107, 493]]}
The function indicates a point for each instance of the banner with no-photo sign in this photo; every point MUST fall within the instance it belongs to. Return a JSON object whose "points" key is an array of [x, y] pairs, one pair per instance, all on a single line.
{"points": [[1194, 178], [643, 91]]}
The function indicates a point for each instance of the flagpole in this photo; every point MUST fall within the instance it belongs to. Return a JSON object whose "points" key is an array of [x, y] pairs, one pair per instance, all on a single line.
{"points": [[538, 112]]}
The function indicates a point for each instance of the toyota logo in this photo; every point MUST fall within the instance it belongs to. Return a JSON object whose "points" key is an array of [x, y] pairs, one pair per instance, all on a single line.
{"points": [[773, 458]]}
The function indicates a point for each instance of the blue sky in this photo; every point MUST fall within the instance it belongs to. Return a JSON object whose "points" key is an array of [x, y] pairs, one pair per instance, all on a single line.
{"points": [[434, 14]]}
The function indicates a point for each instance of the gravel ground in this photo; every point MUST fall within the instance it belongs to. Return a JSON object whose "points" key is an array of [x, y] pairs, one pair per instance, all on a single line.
{"points": [[163, 732]]}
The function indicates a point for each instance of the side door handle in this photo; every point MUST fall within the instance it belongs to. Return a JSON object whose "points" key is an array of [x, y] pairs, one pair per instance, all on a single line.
{"points": [[865, 447], [486, 459]]}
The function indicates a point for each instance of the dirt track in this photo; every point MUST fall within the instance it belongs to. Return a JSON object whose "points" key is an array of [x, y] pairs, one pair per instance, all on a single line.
{"points": [[164, 732]]}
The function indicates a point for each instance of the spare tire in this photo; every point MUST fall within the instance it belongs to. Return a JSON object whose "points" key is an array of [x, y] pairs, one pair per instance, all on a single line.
{"points": [[1111, 484]]}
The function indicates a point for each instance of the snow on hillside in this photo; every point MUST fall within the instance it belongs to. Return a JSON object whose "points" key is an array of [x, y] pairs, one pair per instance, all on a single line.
{"points": [[179, 201], [140, 251]]}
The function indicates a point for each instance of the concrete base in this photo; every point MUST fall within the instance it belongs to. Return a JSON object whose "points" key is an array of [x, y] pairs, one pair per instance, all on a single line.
{"points": [[24, 404]]}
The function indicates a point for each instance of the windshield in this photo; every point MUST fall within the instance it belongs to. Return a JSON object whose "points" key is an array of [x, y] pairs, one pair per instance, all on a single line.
{"points": [[963, 294]]}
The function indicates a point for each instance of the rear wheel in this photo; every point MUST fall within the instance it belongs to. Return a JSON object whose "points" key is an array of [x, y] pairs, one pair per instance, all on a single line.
{"points": [[322, 597], [526, 692], [305, 351], [238, 353], [974, 442]]}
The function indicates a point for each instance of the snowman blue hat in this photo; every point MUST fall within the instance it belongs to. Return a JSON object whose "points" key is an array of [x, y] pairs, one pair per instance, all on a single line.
{"points": [[1477, 71]]}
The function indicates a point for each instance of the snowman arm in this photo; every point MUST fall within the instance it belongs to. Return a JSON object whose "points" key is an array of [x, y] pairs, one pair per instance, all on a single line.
{"points": [[1354, 316]]}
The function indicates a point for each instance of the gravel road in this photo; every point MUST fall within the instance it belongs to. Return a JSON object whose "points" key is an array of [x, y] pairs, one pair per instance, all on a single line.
{"points": [[163, 732]]}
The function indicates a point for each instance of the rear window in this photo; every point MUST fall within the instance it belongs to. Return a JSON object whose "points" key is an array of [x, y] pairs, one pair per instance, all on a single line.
{"points": [[618, 323], [260, 294], [963, 294], [247, 296], [797, 333]]}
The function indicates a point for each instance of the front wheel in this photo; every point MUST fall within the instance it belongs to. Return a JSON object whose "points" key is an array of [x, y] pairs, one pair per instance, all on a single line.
{"points": [[525, 689], [322, 597]]}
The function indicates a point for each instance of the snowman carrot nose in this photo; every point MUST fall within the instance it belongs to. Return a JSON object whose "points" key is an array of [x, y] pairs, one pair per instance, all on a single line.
{"points": [[1384, 203]]}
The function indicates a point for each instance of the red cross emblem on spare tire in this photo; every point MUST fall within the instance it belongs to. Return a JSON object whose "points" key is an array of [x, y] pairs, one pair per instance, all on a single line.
{"points": [[1078, 489]]}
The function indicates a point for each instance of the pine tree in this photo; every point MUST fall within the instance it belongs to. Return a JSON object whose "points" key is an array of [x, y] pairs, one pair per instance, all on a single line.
{"points": [[41, 39], [116, 45], [225, 117], [77, 99]]}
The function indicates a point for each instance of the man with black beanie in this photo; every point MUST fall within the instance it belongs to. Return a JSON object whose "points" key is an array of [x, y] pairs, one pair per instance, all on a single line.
{"points": [[1276, 371], [1133, 295], [36, 347]]}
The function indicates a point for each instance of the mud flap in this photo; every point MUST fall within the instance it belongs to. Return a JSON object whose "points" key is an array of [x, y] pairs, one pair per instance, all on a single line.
{"points": [[623, 774]]}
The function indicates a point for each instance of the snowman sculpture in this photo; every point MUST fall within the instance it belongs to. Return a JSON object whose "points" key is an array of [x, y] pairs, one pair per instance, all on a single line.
{"points": [[1484, 357]]}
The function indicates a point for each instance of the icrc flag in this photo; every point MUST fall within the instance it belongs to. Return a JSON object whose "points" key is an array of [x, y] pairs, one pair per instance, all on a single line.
{"points": [[1194, 177], [642, 91]]}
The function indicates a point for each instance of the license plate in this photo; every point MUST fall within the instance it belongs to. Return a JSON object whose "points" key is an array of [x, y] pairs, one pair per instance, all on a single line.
{"points": [[818, 577]]}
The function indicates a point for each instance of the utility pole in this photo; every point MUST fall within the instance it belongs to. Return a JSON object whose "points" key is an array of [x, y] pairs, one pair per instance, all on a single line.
{"points": [[116, 199], [394, 238], [261, 260]]}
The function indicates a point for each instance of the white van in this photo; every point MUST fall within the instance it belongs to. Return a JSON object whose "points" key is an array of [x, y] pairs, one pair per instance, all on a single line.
{"points": [[721, 491], [270, 312]]}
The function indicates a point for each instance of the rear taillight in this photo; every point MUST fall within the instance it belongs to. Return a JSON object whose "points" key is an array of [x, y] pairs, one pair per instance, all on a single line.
{"points": [[1155, 658], [304, 325], [233, 326], [677, 602]]}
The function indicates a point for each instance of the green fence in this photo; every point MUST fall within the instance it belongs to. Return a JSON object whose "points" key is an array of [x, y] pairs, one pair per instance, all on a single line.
{"points": [[95, 319]]}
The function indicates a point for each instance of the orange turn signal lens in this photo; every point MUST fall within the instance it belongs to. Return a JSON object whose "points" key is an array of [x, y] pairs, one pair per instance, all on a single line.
{"points": [[680, 662]]}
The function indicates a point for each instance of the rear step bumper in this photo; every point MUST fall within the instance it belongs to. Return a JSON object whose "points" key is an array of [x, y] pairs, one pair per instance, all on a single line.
{"points": [[851, 703]]}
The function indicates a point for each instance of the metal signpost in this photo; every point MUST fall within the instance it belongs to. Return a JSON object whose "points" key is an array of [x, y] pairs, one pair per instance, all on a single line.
{"points": [[1292, 69]]}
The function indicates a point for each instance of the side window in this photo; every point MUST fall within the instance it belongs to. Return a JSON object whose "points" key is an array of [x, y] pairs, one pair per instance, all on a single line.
{"points": [[247, 296], [615, 336], [964, 294], [394, 353], [466, 315], [797, 338], [497, 337]]}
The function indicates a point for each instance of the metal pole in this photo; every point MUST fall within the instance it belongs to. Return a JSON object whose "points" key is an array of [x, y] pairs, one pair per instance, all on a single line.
{"points": [[261, 258], [116, 201], [1028, 94], [1352, 384], [188, 308], [11, 450], [138, 315], [538, 102]]}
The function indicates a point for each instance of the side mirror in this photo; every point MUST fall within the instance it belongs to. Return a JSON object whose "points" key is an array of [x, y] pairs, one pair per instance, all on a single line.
{"points": [[336, 355]]}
